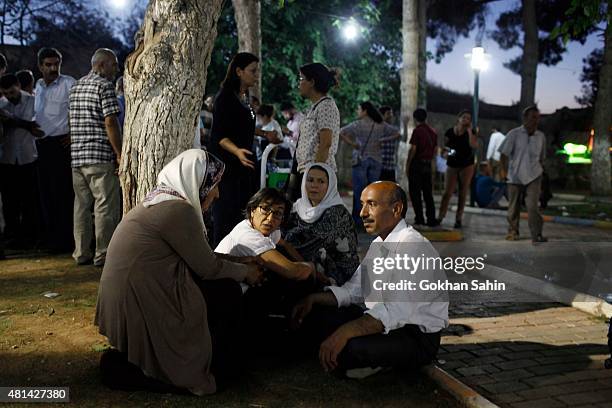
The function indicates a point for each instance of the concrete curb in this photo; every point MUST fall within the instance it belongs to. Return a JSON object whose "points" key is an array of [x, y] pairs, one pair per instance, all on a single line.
{"points": [[547, 218], [586, 303], [464, 394], [442, 235]]}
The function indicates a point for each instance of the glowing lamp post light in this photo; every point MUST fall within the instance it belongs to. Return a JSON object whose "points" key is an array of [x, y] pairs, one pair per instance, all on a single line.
{"points": [[118, 4], [351, 30], [479, 61]]}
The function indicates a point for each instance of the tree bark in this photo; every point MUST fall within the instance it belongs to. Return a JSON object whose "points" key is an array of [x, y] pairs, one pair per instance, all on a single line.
{"points": [[248, 22], [422, 86], [164, 84], [409, 73], [529, 60], [600, 167], [409, 79]]}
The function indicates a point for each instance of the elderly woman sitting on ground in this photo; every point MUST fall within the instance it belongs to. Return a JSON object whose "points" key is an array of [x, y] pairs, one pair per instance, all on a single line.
{"points": [[166, 302], [259, 235], [320, 227]]}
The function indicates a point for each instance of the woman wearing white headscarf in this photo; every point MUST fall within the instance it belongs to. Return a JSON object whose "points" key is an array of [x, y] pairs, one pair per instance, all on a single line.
{"points": [[320, 227], [165, 301]]}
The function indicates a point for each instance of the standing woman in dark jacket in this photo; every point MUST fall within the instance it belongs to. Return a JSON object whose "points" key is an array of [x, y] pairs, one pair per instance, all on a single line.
{"points": [[232, 134], [460, 142]]}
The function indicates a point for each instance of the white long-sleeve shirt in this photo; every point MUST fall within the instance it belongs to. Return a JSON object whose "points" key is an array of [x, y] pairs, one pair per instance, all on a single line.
{"points": [[495, 141], [52, 105], [431, 317]]}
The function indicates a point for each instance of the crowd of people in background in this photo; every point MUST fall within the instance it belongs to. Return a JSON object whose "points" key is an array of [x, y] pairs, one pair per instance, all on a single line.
{"points": [[60, 147]]}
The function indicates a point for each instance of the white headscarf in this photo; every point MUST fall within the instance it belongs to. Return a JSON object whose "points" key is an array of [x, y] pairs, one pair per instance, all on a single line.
{"points": [[304, 208], [190, 175]]}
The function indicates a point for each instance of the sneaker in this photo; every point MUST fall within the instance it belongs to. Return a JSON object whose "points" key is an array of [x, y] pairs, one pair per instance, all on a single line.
{"points": [[457, 225], [539, 239], [512, 236], [361, 373], [99, 263]]}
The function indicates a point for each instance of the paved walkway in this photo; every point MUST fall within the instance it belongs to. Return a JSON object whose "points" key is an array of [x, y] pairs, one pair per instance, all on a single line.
{"points": [[520, 354]]}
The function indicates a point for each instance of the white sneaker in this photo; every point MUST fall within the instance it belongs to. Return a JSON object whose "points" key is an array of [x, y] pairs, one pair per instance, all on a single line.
{"points": [[361, 373]]}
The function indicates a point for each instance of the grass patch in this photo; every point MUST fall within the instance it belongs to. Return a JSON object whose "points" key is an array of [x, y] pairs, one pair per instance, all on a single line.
{"points": [[53, 342], [594, 211]]}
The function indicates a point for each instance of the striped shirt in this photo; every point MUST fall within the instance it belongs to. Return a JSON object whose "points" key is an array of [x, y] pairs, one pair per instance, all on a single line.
{"points": [[92, 99]]}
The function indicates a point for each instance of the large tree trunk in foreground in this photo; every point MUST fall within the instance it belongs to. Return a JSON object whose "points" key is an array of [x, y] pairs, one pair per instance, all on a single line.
{"points": [[248, 21], [602, 121], [529, 60], [164, 85]]}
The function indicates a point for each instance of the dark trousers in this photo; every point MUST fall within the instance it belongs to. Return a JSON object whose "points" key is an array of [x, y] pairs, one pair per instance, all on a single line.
{"points": [[405, 348], [20, 202], [224, 310], [56, 193], [419, 182], [235, 189], [387, 175]]}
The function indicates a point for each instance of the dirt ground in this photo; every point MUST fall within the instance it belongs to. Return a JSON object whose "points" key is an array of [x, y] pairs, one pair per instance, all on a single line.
{"points": [[53, 342]]}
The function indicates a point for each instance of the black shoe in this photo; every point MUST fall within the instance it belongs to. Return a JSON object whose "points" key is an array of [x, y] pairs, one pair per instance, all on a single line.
{"points": [[84, 262], [457, 225], [539, 239], [433, 223]]}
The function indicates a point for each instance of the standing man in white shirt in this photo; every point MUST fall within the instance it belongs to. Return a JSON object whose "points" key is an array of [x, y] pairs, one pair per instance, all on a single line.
{"points": [[389, 333], [522, 158], [54, 172], [493, 155]]}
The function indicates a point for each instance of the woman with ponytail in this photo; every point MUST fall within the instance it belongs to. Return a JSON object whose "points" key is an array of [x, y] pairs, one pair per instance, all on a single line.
{"points": [[365, 136], [319, 130]]}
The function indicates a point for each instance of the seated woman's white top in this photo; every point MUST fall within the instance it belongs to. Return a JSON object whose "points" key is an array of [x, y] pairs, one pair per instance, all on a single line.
{"points": [[244, 240]]}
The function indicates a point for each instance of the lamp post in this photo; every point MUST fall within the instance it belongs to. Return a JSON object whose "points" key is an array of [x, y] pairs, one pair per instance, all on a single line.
{"points": [[479, 61]]}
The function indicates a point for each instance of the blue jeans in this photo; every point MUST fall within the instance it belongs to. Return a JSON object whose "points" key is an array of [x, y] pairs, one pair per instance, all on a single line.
{"points": [[366, 172]]}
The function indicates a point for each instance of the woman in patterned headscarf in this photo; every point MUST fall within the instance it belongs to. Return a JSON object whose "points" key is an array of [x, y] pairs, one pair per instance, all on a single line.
{"points": [[165, 300]]}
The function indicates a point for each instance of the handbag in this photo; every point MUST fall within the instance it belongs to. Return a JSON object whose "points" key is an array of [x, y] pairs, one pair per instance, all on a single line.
{"points": [[356, 158], [293, 186]]}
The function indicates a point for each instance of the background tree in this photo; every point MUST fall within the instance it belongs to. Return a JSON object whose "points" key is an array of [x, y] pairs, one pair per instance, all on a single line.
{"points": [[248, 22], [590, 77], [528, 26], [165, 78], [584, 16]]}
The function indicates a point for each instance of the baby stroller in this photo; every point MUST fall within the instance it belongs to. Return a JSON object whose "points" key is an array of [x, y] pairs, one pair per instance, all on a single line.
{"points": [[276, 162]]}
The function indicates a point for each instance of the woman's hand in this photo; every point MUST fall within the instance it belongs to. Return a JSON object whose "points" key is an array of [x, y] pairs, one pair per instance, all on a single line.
{"points": [[241, 154], [254, 275]]}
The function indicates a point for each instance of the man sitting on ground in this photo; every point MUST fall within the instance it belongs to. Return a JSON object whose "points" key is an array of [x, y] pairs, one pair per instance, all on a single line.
{"points": [[488, 191], [402, 334]]}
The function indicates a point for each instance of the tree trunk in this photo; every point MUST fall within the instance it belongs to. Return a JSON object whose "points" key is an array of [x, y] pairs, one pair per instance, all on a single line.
{"points": [[409, 78], [529, 60], [248, 21], [422, 87], [409, 73], [600, 168], [164, 84]]}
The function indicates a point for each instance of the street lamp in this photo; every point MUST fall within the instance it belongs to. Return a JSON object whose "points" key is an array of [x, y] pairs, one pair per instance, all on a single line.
{"points": [[351, 29], [479, 61], [118, 4]]}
